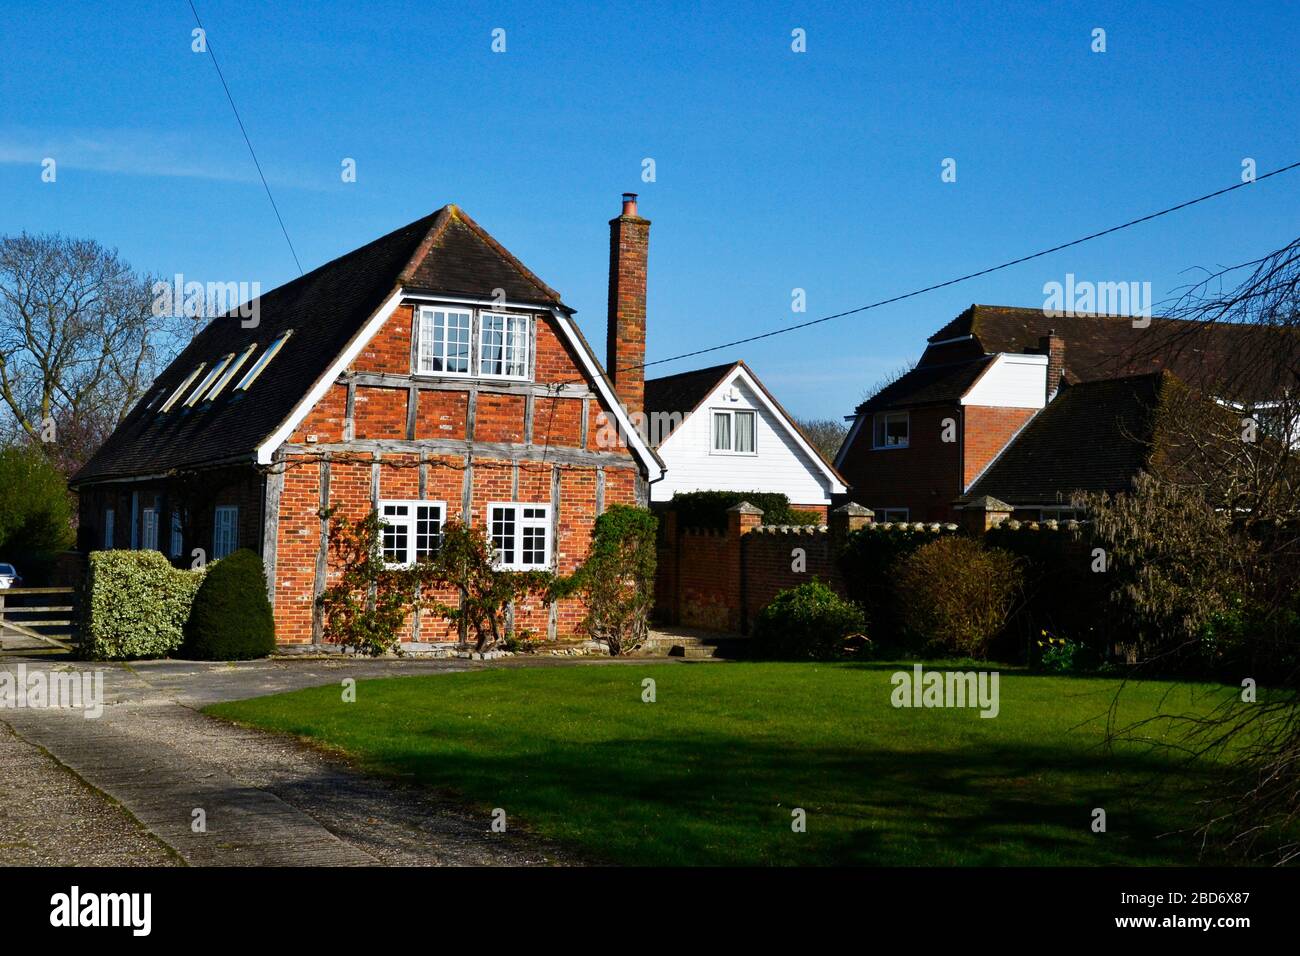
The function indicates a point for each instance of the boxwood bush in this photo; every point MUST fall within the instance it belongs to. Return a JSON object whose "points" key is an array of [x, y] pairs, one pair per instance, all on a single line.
{"points": [[231, 619], [135, 605], [808, 622]]}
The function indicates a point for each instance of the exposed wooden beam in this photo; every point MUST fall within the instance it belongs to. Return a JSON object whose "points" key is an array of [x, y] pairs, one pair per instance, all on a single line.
{"points": [[395, 380], [504, 451]]}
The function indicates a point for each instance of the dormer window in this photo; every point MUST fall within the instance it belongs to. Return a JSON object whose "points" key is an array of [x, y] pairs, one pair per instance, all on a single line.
{"points": [[180, 389], [444, 341], [208, 379], [251, 376]]}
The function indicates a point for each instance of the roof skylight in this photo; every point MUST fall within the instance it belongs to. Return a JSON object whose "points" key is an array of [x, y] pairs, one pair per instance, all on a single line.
{"points": [[180, 389], [220, 384], [208, 380], [251, 376]]}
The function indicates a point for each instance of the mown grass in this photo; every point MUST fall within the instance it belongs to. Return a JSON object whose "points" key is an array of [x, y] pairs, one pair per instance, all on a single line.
{"points": [[711, 771]]}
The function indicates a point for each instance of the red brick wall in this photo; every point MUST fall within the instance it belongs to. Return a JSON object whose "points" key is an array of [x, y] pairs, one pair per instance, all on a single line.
{"points": [[987, 432], [381, 413], [925, 477]]}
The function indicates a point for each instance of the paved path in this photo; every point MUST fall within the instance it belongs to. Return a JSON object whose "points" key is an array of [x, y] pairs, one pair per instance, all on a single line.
{"points": [[267, 799]]}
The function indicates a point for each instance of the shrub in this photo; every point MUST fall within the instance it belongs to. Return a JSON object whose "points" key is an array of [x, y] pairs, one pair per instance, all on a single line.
{"points": [[708, 509], [365, 608], [808, 622], [954, 594], [135, 605], [464, 563], [231, 619], [867, 566], [617, 579], [1061, 655]]}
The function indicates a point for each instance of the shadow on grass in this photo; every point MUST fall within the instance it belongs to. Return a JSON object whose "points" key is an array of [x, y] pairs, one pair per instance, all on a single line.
{"points": [[713, 799]]}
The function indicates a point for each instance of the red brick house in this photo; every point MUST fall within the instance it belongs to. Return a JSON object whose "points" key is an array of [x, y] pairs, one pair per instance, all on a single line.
{"points": [[428, 374], [1027, 407]]}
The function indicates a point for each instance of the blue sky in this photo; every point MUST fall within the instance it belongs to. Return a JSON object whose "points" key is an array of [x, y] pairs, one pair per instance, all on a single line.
{"points": [[775, 170]]}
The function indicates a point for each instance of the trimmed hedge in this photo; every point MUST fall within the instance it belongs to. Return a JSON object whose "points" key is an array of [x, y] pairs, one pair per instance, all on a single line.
{"points": [[708, 509], [135, 605], [808, 622], [231, 619]]}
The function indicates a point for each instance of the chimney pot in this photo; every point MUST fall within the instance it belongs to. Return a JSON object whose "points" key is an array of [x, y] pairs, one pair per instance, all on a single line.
{"points": [[629, 204]]}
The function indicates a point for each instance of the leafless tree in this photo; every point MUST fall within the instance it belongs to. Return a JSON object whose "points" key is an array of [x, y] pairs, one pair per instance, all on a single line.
{"points": [[79, 343], [826, 434], [1231, 441]]}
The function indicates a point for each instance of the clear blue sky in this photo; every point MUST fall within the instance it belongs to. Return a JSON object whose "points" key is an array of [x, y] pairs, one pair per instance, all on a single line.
{"points": [[775, 170]]}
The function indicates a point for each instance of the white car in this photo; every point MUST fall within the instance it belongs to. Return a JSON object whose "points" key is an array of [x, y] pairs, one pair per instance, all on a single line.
{"points": [[9, 577]]}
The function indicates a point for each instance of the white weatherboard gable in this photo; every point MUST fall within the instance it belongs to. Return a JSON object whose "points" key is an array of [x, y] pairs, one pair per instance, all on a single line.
{"points": [[783, 462], [1011, 381]]}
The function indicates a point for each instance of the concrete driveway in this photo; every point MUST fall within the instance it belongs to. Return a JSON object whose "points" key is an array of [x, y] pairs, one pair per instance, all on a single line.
{"points": [[152, 768]]}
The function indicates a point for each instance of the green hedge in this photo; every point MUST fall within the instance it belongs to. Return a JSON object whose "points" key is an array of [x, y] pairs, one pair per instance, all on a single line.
{"points": [[231, 619], [708, 509], [867, 566], [135, 605]]}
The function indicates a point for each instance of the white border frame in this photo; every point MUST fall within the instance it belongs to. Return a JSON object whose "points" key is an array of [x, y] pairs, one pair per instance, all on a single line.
{"points": [[519, 527], [418, 332], [410, 524]]}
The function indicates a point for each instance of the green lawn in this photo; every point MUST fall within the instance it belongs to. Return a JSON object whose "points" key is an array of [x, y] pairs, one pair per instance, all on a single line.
{"points": [[710, 772]]}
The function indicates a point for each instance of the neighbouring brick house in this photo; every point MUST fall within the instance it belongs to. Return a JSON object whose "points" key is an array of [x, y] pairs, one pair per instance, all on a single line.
{"points": [[428, 374], [1027, 408]]}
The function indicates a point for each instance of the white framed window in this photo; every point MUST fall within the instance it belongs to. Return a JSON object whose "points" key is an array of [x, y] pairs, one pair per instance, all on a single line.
{"points": [[891, 430], [884, 515], [110, 517], [176, 543], [180, 389], [733, 431], [412, 530], [207, 380], [271, 350], [503, 345], [149, 529], [521, 535], [225, 531], [443, 346], [231, 370]]}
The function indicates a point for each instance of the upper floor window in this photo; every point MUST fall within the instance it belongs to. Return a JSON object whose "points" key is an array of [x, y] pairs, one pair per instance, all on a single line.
{"points": [[444, 339], [733, 431], [891, 430], [451, 341], [503, 345]]}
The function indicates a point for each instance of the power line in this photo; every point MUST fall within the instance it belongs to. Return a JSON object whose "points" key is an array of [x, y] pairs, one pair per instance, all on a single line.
{"points": [[221, 76], [968, 276]]}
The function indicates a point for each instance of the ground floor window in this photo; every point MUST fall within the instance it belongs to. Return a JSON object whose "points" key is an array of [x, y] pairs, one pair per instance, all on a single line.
{"points": [[109, 518], [521, 534], [149, 529], [177, 544], [225, 531], [412, 530], [891, 514]]}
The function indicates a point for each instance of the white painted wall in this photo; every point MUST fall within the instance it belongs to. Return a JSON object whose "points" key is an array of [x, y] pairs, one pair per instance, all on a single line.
{"points": [[1011, 381], [780, 465]]}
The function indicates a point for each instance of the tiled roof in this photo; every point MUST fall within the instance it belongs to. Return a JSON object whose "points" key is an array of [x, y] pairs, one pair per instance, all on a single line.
{"points": [[445, 252], [1095, 436], [929, 385], [1100, 347], [682, 392]]}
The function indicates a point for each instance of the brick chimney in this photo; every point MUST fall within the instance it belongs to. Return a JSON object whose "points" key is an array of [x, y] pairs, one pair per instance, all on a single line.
{"points": [[629, 247], [1053, 346]]}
